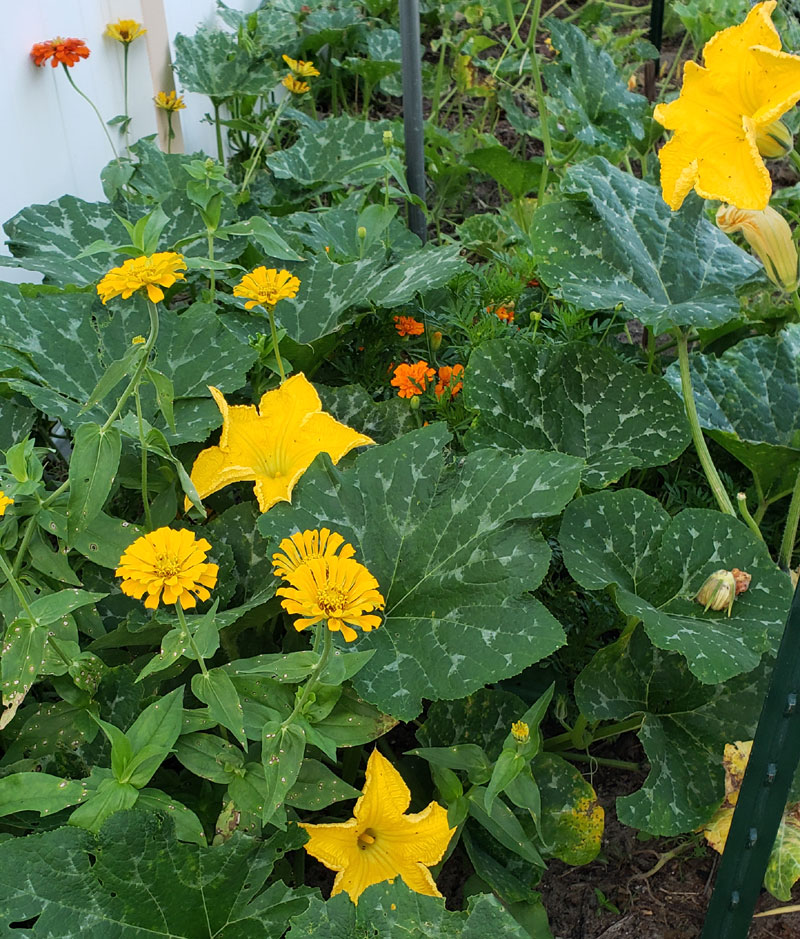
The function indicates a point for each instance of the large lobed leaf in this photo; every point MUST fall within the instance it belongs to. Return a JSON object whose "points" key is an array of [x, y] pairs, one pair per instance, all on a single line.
{"points": [[453, 550], [684, 729], [748, 400], [657, 564], [577, 399], [616, 241], [135, 881], [212, 63]]}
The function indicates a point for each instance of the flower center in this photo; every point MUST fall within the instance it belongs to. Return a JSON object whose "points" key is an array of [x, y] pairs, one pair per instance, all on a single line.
{"points": [[330, 600], [267, 295], [167, 566], [366, 838]]}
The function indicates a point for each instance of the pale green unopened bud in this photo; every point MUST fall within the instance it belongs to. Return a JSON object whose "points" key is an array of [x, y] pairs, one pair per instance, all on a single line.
{"points": [[535, 316], [362, 232], [436, 340], [768, 234], [774, 141], [388, 138]]}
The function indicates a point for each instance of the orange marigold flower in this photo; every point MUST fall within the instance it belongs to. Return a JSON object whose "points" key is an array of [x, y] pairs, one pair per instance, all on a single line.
{"points": [[413, 379], [408, 326], [59, 51], [446, 376], [504, 312]]}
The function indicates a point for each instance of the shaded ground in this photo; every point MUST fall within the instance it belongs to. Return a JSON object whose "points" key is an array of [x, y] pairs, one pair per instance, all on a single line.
{"points": [[668, 904]]}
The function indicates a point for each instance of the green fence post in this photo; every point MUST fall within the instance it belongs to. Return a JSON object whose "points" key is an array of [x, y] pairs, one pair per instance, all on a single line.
{"points": [[413, 125], [654, 35], [762, 798]]}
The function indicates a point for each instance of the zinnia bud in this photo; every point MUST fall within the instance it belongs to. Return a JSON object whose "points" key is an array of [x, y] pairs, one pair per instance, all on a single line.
{"points": [[768, 234], [520, 732], [436, 340], [774, 141], [361, 232], [718, 592]]}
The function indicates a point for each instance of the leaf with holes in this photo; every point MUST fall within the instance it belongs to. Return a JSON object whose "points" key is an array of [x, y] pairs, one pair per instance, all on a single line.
{"points": [[748, 400], [134, 879], [614, 240], [574, 398], [685, 726], [455, 553], [656, 565]]}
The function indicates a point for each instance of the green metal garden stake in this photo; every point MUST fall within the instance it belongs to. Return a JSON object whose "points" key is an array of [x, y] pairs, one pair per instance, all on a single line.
{"points": [[413, 125], [762, 798], [654, 35]]}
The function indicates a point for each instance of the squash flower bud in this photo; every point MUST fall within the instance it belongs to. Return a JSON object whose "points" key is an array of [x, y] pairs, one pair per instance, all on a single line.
{"points": [[721, 589], [768, 234], [774, 141]]}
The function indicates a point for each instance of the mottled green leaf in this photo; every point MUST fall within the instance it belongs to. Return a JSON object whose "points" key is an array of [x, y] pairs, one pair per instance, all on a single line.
{"points": [[454, 552], [392, 911], [16, 419], [572, 821], [657, 564], [748, 400], [617, 241], [212, 63], [135, 881], [575, 398], [783, 869], [685, 726], [317, 787], [38, 792], [519, 177], [380, 420], [594, 103]]}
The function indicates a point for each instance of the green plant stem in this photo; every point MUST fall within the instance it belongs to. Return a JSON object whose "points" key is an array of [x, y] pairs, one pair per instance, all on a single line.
{"points": [[512, 22], [27, 535], [133, 384], [94, 108], [126, 46], [275, 349], [600, 761], [540, 101], [262, 141], [437, 87], [170, 132], [790, 531], [794, 156], [148, 520], [675, 62], [796, 301], [192, 643], [313, 678], [218, 128], [55, 494], [17, 588], [563, 741], [752, 524], [212, 274], [723, 500]]}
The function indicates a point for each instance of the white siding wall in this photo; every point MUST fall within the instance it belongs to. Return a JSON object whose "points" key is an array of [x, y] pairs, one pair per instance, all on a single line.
{"points": [[54, 143]]}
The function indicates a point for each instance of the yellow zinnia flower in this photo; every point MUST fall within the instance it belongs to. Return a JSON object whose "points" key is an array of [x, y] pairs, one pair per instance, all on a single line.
{"points": [[169, 101], [301, 68], [381, 842], [301, 546], [5, 502], [265, 287], [272, 445], [152, 272], [295, 85], [167, 564], [746, 85], [125, 31], [335, 589]]}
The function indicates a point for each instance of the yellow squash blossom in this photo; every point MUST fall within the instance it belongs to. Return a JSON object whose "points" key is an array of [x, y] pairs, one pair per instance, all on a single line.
{"points": [[5, 502], [169, 101], [769, 235], [151, 273], [334, 589], [125, 31], [381, 842], [169, 565], [735, 763], [301, 546], [745, 86], [266, 287], [272, 445], [301, 68]]}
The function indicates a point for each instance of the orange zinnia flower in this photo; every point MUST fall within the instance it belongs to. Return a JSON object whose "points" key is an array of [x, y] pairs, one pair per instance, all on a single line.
{"points": [[59, 51], [412, 380], [446, 376], [408, 326]]}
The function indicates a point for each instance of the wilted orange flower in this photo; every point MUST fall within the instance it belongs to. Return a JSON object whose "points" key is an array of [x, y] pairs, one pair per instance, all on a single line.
{"points": [[59, 51], [169, 101], [413, 379], [408, 326], [294, 85], [447, 375], [125, 31]]}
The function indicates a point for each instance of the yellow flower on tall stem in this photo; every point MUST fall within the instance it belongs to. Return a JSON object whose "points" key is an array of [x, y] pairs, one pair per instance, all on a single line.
{"points": [[169, 101], [5, 502], [381, 841], [272, 445], [301, 546], [746, 84], [169, 565], [151, 273], [267, 287], [125, 31]]}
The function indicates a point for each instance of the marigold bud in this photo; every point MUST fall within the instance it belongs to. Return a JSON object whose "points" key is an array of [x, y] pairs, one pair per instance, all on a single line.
{"points": [[768, 234], [774, 141], [718, 592], [520, 732]]}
